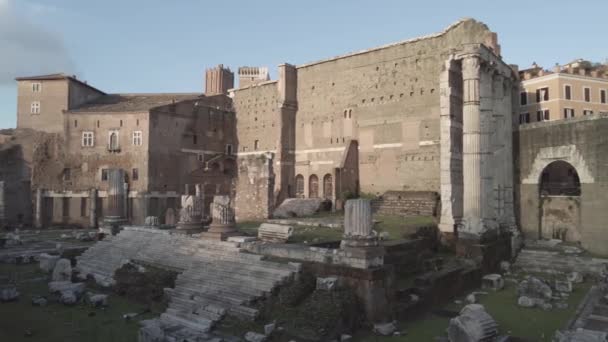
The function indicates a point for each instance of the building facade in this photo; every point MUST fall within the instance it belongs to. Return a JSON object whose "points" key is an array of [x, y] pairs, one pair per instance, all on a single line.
{"points": [[428, 114], [573, 90], [161, 141]]}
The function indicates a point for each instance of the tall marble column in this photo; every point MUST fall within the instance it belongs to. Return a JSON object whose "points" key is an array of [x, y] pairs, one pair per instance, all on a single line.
{"points": [[38, 210], [115, 214], [222, 219], [451, 146], [358, 224], [93, 208]]}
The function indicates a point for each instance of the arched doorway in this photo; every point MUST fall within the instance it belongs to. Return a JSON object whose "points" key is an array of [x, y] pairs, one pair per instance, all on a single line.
{"points": [[300, 186], [313, 186], [560, 202], [327, 186]]}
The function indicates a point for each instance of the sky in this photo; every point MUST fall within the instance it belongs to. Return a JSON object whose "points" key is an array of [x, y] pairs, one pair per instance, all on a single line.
{"points": [[143, 46]]}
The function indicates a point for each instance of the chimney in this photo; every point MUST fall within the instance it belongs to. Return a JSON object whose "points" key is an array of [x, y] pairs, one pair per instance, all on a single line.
{"points": [[541, 72], [594, 73], [557, 68], [582, 71]]}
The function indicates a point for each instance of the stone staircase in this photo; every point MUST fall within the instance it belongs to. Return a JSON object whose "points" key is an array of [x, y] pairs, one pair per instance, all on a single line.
{"points": [[558, 262], [216, 277]]}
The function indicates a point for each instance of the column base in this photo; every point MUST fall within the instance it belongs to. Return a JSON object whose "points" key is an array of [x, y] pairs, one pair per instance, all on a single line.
{"points": [[112, 225], [189, 227], [220, 232], [359, 241]]}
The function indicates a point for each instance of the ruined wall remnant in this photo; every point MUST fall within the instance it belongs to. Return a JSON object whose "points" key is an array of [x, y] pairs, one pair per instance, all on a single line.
{"points": [[582, 144], [255, 187]]}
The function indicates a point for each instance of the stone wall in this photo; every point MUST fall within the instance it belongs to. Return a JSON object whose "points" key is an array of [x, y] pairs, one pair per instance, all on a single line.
{"points": [[581, 142], [255, 187], [407, 203]]}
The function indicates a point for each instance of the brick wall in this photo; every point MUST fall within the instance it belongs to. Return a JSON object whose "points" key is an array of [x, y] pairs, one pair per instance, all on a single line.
{"points": [[407, 203]]}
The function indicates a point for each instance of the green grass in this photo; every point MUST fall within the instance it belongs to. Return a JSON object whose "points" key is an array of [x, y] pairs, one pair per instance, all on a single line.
{"points": [[424, 329], [56, 322], [534, 324], [399, 227]]}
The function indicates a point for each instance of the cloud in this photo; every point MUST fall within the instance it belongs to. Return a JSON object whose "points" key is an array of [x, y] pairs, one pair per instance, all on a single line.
{"points": [[28, 49]]}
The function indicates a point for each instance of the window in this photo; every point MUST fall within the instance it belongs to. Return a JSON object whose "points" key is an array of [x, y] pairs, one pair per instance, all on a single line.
{"points": [[229, 149], [113, 144], [542, 94], [137, 138], [67, 174], [83, 206], [75, 123], [35, 107], [104, 174], [88, 139], [568, 92], [256, 145], [194, 139], [36, 87], [587, 112], [587, 92], [602, 95], [135, 174], [524, 118], [542, 115], [523, 98], [568, 113]]}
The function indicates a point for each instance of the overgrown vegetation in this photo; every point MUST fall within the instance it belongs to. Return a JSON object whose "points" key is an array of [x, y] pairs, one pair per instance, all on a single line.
{"points": [[143, 287], [20, 321]]}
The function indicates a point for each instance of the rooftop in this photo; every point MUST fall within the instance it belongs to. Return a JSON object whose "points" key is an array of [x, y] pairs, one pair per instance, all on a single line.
{"points": [[112, 103], [58, 76]]}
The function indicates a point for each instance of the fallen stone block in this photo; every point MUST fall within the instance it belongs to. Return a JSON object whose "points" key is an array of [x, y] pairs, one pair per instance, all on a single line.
{"points": [[8, 293], [254, 337], [473, 324], [274, 232], [63, 286], [575, 277], [493, 282], [39, 301], [241, 239], [48, 262], [327, 284], [98, 300], [385, 329], [563, 286], [62, 270], [526, 302], [68, 298], [269, 328], [534, 288]]}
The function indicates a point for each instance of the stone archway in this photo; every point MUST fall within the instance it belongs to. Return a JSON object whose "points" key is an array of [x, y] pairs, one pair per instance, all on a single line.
{"points": [[328, 186], [300, 186], [313, 186], [559, 189]]}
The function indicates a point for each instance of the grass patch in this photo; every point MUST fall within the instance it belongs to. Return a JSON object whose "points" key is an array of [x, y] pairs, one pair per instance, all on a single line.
{"points": [[56, 322], [399, 227], [534, 324]]}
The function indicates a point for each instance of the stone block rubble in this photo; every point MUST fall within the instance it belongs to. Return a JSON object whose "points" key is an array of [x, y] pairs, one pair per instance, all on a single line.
{"points": [[216, 278], [274, 232], [298, 207], [473, 324]]}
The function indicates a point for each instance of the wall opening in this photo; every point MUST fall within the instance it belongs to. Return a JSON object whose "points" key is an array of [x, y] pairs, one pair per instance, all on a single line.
{"points": [[300, 186], [313, 186], [327, 186]]}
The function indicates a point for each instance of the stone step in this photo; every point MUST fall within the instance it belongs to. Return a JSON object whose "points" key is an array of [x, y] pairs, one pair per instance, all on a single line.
{"points": [[190, 308], [232, 296], [201, 324], [232, 284], [238, 272]]}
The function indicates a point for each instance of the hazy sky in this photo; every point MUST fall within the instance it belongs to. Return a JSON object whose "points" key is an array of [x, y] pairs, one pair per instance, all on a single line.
{"points": [[164, 46]]}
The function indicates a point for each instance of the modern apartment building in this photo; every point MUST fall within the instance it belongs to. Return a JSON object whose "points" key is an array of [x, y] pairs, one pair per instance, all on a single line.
{"points": [[576, 89]]}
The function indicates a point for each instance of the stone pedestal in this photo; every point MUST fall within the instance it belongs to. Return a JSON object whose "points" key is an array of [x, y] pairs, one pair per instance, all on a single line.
{"points": [[358, 224], [191, 213], [117, 193], [222, 216]]}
